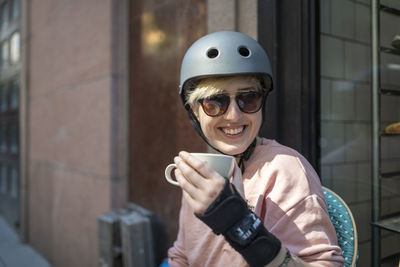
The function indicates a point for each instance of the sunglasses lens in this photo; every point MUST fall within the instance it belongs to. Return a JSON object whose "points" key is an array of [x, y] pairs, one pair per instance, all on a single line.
{"points": [[215, 105], [249, 102]]}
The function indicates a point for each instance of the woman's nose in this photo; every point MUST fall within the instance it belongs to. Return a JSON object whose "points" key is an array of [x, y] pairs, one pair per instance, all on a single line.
{"points": [[233, 112]]}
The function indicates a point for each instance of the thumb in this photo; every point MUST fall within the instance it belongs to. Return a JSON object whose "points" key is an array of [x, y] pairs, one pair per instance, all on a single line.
{"points": [[237, 181]]}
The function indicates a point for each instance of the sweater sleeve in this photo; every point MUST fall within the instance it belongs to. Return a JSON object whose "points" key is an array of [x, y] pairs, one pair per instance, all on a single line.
{"points": [[307, 232], [176, 254], [295, 210]]}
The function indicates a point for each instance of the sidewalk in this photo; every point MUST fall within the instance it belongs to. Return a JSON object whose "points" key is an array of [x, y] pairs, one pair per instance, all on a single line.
{"points": [[13, 253]]}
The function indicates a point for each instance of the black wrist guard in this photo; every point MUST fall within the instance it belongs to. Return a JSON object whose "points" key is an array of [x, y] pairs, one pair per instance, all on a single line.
{"points": [[228, 215]]}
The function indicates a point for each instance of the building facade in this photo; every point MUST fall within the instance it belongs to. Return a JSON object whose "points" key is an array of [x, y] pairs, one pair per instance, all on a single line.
{"points": [[90, 113]]}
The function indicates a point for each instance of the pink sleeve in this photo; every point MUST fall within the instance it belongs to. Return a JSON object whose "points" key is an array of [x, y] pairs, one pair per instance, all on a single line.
{"points": [[176, 254], [295, 211], [288, 197], [308, 233]]}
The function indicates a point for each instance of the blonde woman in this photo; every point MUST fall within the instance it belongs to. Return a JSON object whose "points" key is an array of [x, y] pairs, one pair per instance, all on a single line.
{"points": [[272, 212]]}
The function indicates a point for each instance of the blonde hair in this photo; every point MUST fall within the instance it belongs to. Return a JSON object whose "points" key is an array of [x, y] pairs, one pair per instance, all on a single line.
{"points": [[214, 85]]}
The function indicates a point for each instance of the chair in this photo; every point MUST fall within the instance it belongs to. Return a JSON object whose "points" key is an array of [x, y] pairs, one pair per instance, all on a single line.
{"points": [[345, 226]]}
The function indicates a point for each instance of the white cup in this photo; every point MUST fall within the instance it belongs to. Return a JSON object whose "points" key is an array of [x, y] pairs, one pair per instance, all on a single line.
{"points": [[223, 164]]}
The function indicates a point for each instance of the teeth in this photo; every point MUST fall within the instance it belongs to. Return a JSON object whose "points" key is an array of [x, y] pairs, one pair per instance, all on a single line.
{"points": [[233, 131]]}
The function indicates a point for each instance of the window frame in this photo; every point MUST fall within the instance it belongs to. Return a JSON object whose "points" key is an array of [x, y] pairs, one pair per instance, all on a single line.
{"points": [[293, 106]]}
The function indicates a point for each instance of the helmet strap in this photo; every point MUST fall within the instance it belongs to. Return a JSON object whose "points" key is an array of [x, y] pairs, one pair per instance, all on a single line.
{"points": [[246, 154], [196, 125]]}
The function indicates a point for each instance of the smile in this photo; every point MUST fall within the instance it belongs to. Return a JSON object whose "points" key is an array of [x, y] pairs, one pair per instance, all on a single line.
{"points": [[233, 131]]}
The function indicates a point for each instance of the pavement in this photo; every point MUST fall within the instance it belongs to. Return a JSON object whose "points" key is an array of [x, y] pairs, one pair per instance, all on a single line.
{"points": [[14, 253]]}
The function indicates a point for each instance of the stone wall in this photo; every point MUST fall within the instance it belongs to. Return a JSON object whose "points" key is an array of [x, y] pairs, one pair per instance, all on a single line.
{"points": [[69, 79]]}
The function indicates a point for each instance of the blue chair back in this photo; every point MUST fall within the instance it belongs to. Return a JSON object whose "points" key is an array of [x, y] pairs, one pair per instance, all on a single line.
{"points": [[345, 226]]}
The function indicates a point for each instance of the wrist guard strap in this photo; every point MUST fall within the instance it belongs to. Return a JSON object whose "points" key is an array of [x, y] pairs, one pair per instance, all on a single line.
{"points": [[228, 215]]}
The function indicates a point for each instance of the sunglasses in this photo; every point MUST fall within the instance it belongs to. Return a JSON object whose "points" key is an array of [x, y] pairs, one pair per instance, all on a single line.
{"points": [[217, 105]]}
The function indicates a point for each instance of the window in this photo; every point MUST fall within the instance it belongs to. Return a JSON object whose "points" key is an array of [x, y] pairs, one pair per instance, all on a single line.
{"points": [[14, 48], [4, 16], [345, 83], [14, 95], [5, 55], [15, 10], [10, 68], [4, 98]]}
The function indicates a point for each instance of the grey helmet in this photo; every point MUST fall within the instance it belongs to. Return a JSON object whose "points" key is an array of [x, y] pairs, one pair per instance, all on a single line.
{"points": [[225, 53]]}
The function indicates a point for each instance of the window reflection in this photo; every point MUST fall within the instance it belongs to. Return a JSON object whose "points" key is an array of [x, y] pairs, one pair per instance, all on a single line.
{"points": [[153, 37], [4, 16], [15, 9], [4, 55], [3, 136], [15, 48], [14, 101], [14, 182], [14, 138], [4, 98], [10, 57], [4, 184]]}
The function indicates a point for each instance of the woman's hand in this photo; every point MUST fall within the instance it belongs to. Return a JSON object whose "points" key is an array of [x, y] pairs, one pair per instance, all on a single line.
{"points": [[200, 184]]}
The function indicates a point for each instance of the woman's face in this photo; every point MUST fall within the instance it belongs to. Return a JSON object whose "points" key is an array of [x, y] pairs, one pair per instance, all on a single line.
{"points": [[234, 131]]}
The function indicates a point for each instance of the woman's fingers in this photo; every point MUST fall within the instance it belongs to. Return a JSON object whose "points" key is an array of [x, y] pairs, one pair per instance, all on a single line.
{"points": [[199, 188], [200, 175], [197, 164], [199, 182], [196, 198], [191, 175]]}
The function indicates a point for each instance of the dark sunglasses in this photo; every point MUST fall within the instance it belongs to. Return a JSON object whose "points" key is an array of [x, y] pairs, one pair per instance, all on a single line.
{"points": [[217, 105]]}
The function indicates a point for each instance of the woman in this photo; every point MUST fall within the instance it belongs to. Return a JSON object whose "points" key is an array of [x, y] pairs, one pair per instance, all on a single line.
{"points": [[272, 212]]}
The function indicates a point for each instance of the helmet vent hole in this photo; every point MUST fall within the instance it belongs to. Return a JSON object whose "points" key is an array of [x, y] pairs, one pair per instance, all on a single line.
{"points": [[244, 51], [212, 53]]}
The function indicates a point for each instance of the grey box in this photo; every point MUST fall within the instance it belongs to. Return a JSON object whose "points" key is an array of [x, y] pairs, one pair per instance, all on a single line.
{"points": [[137, 240], [133, 236], [110, 249]]}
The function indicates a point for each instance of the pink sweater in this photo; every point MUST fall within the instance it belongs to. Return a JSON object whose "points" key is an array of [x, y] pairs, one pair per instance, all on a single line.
{"points": [[282, 188]]}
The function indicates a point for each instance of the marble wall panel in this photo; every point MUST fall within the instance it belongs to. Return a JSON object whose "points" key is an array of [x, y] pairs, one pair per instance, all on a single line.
{"points": [[64, 209], [159, 127], [69, 44]]}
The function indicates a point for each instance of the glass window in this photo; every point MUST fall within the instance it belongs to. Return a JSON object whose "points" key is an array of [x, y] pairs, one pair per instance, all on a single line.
{"points": [[5, 55], [3, 138], [4, 180], [14, 101], [4, 16], [14, 138], [10, 69], [14, 182], [345, 105], [14, 48], [15, 9], [4, 98]]}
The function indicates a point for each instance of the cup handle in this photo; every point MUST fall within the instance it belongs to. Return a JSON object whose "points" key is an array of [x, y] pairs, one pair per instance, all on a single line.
{"points": [[168, 172]]}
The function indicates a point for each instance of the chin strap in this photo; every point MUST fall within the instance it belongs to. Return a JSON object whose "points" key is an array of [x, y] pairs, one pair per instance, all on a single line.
{"points": [[246, 154], [242, 156]]}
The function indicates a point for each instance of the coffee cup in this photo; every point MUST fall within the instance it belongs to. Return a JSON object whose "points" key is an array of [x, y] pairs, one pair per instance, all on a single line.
{"points": [[223, 164]]}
